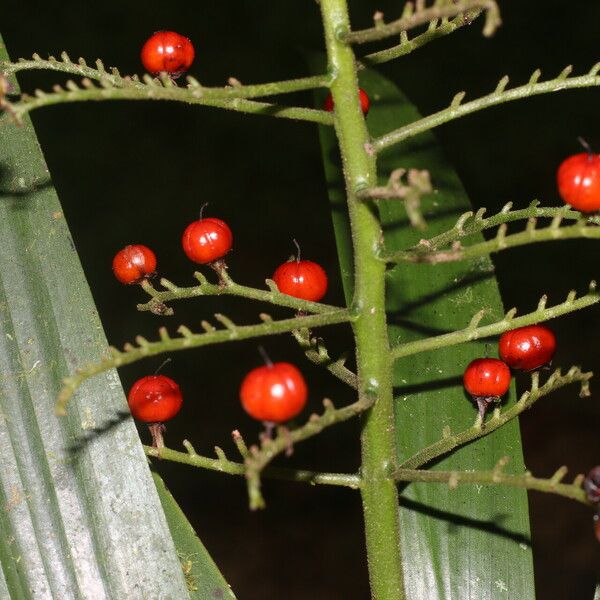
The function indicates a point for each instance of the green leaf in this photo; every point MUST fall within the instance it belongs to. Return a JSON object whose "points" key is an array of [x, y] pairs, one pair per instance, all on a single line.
{"points": [[79, 512], [471, 542], [203, 578]]}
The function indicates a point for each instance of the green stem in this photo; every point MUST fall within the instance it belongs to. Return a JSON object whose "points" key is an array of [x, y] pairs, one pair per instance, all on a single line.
{"points": [[378, 490], [188, 339], [472, 332], [226, 288], [450, 441], [172, 93], [457, 110], [424, 16], [406, 46], [258, 458], [552, 485], [499, 243], [81, 69], [223, 465]]}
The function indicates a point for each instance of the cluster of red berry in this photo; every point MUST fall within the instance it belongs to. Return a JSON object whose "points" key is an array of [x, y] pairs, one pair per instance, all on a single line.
{"points": [[277, 392], [526, 349], [273, 393]]}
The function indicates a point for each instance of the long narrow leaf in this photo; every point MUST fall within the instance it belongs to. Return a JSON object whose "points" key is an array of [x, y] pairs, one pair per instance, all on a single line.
{"points": [[79, 516], [472, 542]]}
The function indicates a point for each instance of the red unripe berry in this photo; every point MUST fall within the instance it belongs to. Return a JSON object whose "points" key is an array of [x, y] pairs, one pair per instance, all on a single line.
{"points": [[134, 263], [487, 378], [527, 348], [365, 103], [154, 399], [302, 279], [579, 181], [206, 240], [167, 51], [274, 393]]}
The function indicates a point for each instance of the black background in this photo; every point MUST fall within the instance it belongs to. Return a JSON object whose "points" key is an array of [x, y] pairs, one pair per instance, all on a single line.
{"points": [[137, 173]]}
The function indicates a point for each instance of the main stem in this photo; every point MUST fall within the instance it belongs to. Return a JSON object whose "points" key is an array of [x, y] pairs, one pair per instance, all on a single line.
{"points": [[379, 493]]}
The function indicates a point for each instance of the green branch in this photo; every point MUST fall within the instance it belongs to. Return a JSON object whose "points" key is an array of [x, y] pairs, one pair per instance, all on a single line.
{"points": [[451, 441], [456, 110], [470, 223], [473, 332], [259, 457], [187, 339], [317, 353], [581, 229], [552, 485], [435, 31], [226, 287], [155, 89], [440, 10], [223, 465], [114, 77]]}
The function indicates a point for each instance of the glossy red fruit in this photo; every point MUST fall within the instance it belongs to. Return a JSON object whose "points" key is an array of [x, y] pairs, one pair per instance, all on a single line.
{"points": [[274, 393], [154, 399], [167, 51], [579, 181], [527, 348], [365, 103], [134, 263], [207, 240], [487, 378], [302, 279]]}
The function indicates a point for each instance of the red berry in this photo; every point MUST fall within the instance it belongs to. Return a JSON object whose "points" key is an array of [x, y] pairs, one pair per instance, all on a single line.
{"points": [[134, 263], [167, 51], [274, 393], [302, 279], [487, 378], [365, 103], [154, 399], [579, 181], [206, 240], [527, 348]]}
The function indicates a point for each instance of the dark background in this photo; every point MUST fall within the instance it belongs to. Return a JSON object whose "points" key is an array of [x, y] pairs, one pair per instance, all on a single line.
{"points": [[138, 172]]}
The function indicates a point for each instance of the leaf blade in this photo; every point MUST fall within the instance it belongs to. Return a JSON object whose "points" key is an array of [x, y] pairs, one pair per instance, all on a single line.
{"points": [[81, 517], [451, 538]]}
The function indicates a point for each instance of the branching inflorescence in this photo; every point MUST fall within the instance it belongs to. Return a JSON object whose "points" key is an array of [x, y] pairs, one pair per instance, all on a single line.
{"points": [[367, 315]]}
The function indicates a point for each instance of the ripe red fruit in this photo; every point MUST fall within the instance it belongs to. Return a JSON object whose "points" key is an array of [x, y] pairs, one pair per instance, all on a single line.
{"points": [[167, 51], [154, 399], [579, 181], [206, 240], [302, 279], [527, 348], [365, 103], [274, 393], [134, 263], [487, 378]]}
